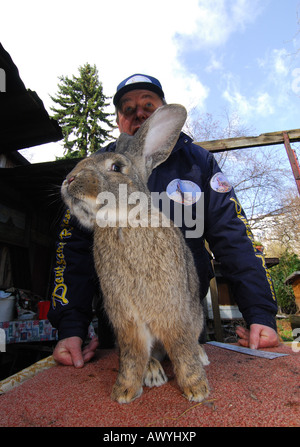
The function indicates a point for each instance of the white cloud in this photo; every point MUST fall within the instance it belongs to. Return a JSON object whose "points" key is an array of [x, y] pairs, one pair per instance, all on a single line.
{"points": [[275, 64], [214, 64], [280, 62], [189, 90], [47, 40], [259, 104], [215, 21], [271, 91], [263, 104], [278, 78]]}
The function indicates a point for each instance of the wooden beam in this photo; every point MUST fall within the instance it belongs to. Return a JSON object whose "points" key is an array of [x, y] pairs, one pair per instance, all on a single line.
{"points": [[293, 160], [265, 139]]}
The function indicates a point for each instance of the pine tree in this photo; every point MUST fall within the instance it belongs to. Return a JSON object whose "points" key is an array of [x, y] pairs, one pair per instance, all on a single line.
{"points": [[81, 115]]}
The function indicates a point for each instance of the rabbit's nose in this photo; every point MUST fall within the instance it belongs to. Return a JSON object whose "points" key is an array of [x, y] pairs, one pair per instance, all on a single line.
{"points": [[71, 179]]}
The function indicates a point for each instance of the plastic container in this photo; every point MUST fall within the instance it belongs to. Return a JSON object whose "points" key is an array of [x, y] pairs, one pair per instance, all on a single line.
{"points": [[43, 307]]}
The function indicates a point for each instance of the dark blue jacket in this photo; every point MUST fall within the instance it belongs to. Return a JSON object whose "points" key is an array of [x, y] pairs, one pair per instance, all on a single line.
{"points": [[225, 229]]}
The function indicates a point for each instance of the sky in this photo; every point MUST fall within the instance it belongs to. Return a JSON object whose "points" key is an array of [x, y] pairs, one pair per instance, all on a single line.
{"points": [[242, 56]]}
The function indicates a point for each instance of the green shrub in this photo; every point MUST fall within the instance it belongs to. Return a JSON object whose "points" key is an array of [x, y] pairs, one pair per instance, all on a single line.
{"points": [[289, 263]]}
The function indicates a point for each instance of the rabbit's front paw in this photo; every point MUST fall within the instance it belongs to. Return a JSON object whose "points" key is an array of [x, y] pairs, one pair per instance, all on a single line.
{"points": [[197, 392], [124, 395], [154, 375]]}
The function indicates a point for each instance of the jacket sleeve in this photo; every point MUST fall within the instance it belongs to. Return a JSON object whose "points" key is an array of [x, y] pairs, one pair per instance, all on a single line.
{"points": [[74, 280], [229, 236]]}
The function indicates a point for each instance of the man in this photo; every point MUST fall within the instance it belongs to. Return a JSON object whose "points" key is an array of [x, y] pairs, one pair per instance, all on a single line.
{"points": [[225, 228]]}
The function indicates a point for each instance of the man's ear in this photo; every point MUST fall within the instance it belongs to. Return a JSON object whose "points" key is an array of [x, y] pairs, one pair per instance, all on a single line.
{"points": [[117, 120]]}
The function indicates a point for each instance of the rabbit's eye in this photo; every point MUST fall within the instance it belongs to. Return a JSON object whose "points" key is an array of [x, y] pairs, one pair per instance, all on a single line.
{"points": [[115, 168]]}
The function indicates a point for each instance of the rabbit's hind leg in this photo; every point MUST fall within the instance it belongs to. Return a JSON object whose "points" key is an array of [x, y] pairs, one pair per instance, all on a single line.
{"points": [[192, 377], [134, 344], [188, 368]]}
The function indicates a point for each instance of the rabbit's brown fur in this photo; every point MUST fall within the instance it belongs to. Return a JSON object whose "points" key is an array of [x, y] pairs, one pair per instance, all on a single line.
{"points": [[147, 275]]}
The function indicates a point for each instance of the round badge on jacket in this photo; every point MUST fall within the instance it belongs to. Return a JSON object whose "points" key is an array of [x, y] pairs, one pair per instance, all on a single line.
{"points": [[220, 183], [183, 191]]}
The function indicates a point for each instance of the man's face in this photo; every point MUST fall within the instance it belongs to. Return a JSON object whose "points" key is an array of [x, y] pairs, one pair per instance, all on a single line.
{"points": [[134, 108]]}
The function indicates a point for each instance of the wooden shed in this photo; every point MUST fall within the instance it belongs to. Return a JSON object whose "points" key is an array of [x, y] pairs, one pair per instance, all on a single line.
{"points": [[29, 197]]}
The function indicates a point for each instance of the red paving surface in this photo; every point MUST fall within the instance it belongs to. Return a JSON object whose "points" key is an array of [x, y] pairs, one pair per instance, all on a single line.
{"points": [[246, 391]]}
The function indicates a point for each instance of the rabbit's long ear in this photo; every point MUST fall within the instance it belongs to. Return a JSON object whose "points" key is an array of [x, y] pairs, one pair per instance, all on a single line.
{"points": [[158, 135], [155, 139]]}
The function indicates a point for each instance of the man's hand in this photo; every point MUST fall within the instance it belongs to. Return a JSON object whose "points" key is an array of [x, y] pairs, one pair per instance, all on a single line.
{"points": [[68, 351], [259, 336]]}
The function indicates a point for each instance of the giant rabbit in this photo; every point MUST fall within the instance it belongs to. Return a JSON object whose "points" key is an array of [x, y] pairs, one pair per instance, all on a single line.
{"points": [[146, 271]]}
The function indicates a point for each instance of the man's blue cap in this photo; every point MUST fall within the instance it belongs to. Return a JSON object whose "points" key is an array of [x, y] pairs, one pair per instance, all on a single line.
{"points": [[138, 82]]}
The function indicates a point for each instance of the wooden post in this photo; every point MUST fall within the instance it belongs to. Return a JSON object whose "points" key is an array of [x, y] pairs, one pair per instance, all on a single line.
{"points": [[216, 310], [215, 302], [294, 281], [293, 159]]}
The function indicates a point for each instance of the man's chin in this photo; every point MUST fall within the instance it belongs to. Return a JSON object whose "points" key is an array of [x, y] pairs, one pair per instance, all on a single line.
{"points": [[135, 131]]}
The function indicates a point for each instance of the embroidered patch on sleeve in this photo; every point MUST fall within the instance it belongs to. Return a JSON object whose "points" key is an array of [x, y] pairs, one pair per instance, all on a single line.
{"points": [[183, 191], [220, 183]]}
